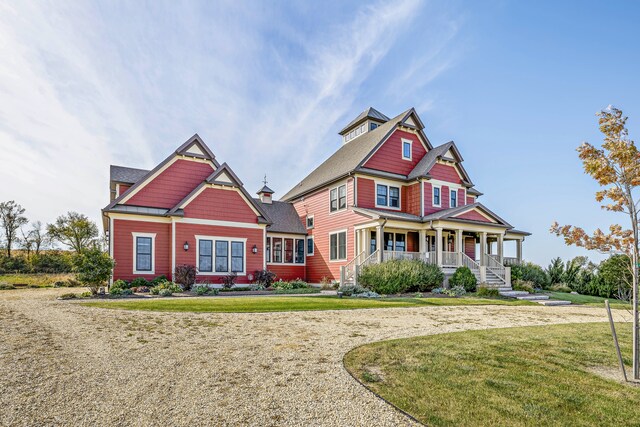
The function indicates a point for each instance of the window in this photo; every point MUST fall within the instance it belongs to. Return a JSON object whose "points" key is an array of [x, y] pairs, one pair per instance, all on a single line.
{"points": [[222, 256], [388, 241], [400, 242], [237, 257], [374, 245], [205, 256], [395, 242], [144, 254], [387, 196], [406, 149], [373, 126], [454, 197], [288, 250], [338, 198], [436, 196], [277, 249], [381, 198], [338, 246], [309, 221], [299, 251], [268, 250], [310, 246]]}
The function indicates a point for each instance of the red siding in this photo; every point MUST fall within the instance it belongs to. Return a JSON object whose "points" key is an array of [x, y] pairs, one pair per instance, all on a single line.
{"points": [[287, 272], [388, 158], [444, 197], [223, 205], [470, 200], [187, 233], [473, 215], [172, 185], [366, 193], [317, 204], [445, 173], [122, 188], [461, 200], [428, 199], [470, 247], [412, 203], [123, 248]]}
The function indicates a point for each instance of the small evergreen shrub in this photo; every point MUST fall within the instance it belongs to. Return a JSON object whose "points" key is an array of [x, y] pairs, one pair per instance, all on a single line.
{"points": [[140, 281], [350, 290], [399, 276], [119, 284], [157, 280], [530, 272], [464, 277]]}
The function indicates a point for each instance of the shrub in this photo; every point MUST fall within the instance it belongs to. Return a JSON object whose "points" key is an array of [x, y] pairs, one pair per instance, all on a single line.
{"points": [[157, 280], [68, 296], [464, 277], [115, 291], [140, 281], [456, 291], [485, 291], [328, 284], [560, 287], [167, 286], [93, 268], [555, 271], [399, 276], [264, 277], [52, 262], [367, 294], [15, 264], [86, 294], [229, 280], [292, 284], [6, 287], [119, 284], [530, 272], [72, 283], [297, 291], [521, 285], [141, 289], [185, 275], [165, 292], [204, 290], [350, 290]]}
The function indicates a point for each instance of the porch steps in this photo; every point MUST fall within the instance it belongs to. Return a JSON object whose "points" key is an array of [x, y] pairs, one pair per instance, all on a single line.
{"points": [[554, 302], [536, 297], [540, 299], [514, 294]]}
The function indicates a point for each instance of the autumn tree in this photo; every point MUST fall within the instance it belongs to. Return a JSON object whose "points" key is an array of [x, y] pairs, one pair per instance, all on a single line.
{"points": [[11, 219], [616, 168], [35, 238], [74, 230]]}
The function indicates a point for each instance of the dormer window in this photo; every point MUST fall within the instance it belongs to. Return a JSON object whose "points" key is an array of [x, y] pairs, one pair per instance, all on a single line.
{"points": [[406, 149], [372, 126]]}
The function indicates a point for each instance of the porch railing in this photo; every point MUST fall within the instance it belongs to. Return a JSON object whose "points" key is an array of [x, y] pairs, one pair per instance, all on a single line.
{"points": [[494, 266], [509, 261], [371, 259], [389, 255], [348, 272], [449, 259], [469, 263]]}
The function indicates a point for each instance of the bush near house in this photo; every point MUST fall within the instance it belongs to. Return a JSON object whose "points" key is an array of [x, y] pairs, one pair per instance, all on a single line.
{"points": [[483, 290], [165, 289], [464, 277], [530, 272], [400, 276], [93, 268], [185, 275]]}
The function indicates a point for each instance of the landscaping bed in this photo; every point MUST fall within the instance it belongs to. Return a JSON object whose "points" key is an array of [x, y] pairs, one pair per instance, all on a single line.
{"points": [[519, 376]]}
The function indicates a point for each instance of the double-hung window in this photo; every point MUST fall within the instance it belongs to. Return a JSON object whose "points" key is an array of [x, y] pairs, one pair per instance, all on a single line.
{"points": [[310, 246], [387, 195], [406, 149], [299, 251], [454, 197], [237, 257], [309, 221], [222, 256], [338, 246], [338, 198], [144, 254], [268, 250], [436, 196], [288, 251], [277, 249], [205, 256]]}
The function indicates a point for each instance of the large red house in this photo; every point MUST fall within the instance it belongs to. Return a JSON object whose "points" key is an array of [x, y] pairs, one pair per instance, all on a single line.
{"points": [[386, 193]]}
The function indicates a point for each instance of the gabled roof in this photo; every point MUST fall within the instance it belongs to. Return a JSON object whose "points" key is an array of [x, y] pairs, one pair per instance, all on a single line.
{"points": [[429, 160], [224, 176], [369, 113], [351, 156], [283, 216], [126, 175], [265, 190]]}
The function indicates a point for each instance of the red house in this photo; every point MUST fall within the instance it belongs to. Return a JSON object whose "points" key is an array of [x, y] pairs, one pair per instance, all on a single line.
{"points": [[386, 193]]}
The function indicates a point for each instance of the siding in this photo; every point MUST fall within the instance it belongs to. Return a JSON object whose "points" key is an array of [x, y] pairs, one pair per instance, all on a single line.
{"points": [[474, 216], [317, 204], [412, 203], [187, 233], [461, 199], [409, 196], [122, 188], [388, 158], [445, 173], [123, 248], [470, 200], [172, 185], [223, 205], [288, 272]]}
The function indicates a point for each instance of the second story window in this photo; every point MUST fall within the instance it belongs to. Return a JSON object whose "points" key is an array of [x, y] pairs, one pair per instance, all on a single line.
{"points": [[436, 196], [309, 221], [338, 198], [406, 149], [454, 198], [387, 195]]}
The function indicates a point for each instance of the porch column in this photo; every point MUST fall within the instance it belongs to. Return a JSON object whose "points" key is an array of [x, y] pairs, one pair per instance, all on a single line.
{"points": [[488, 248], [367, 241], [459, 248], [483, 247], [379, 241], [519, 251], [422, 244], [439, 245], [501, 248]]}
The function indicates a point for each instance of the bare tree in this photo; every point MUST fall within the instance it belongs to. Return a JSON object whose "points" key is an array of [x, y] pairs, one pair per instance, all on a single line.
{"points": [[35, 239], [74, 230], [11, 219]]}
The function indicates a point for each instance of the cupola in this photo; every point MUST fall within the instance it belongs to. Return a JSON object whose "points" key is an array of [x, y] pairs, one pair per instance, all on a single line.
{"points": [[365, 122], [265, 193]]}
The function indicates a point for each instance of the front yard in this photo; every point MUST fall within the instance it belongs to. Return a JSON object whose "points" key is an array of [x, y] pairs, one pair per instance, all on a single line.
{"points": [[551, 375]]}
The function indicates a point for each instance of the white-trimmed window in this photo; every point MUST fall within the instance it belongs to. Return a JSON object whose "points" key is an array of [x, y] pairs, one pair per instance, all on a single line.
{"points": [[453, 197], [285, 250], [144, 253], [338, 246], [395, 242], [437, 199], [387, 196], [309, 222], [338, 198], [407, 150], [310, 246], [221, 255]]}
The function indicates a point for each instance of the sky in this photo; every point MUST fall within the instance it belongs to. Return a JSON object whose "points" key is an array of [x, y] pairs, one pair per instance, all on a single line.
{"points": [[268, 85]]}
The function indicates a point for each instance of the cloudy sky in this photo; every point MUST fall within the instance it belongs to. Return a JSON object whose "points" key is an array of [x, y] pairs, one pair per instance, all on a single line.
{"points": [[268, 85]]}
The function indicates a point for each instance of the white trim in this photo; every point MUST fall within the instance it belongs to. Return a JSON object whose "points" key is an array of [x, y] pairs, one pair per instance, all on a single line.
{"points": [[173, 248], [220, 223], [229, 240], [218, 187], [288, 236], [346, 245], [451, 192], [421, 198], [153, 252], [410, 142], [306, 222], [313, 246], [387, 184], [141, 218], [117, 191], [264, 249], [111, 251], [464, 194], [433, 195]]}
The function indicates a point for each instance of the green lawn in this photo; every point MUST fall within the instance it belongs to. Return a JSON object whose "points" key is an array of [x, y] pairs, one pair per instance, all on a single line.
{"points": [[532, 376], [270, 304], [588, 300]]}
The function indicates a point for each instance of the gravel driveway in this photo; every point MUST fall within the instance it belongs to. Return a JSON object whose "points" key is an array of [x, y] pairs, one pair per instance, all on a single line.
{"points": [[65, 364]]}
